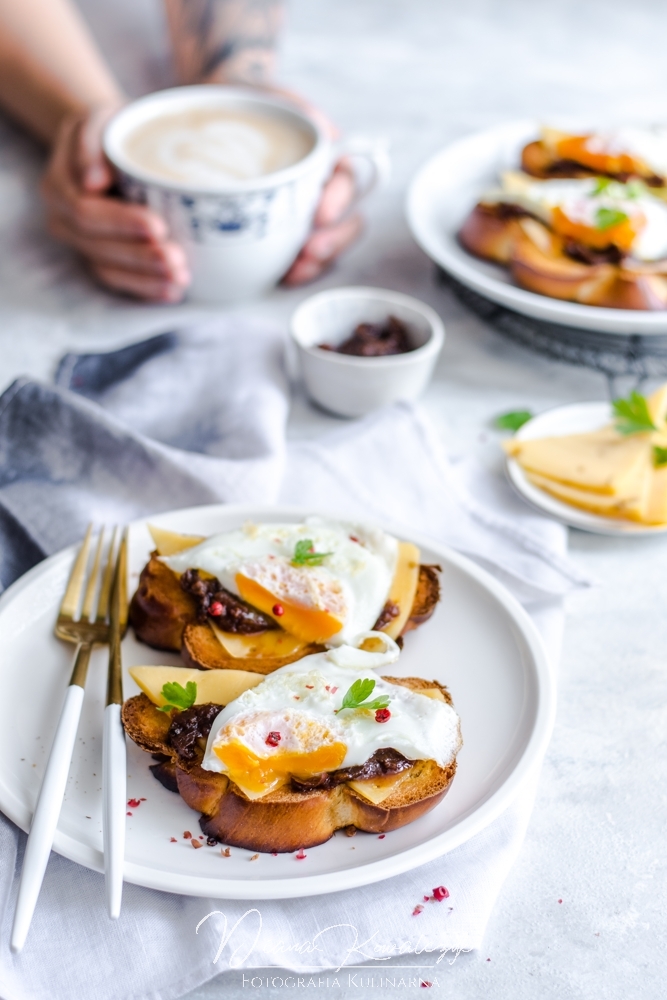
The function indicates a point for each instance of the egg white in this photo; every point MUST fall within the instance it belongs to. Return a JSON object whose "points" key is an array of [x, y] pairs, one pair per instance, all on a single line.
{"points": [[353, 582], [311, 691], [647, 144]]}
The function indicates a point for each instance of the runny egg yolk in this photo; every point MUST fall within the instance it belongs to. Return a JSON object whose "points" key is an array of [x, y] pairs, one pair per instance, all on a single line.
{"points": [[260, 752], [310, 624], [578, 148], [622, 234]]}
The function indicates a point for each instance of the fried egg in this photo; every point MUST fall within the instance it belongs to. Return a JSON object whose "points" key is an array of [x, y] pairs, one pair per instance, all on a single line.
{"points": [[621, 150], [328, 594], [597, 212], [293, 723]]}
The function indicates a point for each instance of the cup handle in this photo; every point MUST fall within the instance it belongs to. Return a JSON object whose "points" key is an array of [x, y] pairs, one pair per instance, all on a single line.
{"points": [[370, 161]]}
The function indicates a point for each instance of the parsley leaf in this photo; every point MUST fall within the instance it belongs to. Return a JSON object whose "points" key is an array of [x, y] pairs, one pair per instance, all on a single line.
{"points": [[305, 554], [177, 696], [513, 420], [659, 457], [601, 185], [634, 189], [356, 695], [606, 218], [632, 415]]}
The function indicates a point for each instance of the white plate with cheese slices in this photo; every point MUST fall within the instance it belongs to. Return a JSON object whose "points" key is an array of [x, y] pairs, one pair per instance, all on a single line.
{"points": [[445, 190], [578, 418], [479, 642]]}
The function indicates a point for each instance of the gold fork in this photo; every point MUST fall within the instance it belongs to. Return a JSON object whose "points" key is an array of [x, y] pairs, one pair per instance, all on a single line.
{"points": [[90, 628]]}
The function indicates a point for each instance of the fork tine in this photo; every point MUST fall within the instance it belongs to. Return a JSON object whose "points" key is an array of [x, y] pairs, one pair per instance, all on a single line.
{"points": [[87, 609], [105, 589], [70, 602], [122, 590]]}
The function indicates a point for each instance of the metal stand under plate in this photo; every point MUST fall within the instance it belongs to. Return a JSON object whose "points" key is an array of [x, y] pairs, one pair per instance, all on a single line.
{"points": [[614, 355]]}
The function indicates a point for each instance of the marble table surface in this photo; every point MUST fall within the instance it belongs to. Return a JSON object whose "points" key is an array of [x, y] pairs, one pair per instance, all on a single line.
{"points": [[582, 913]]}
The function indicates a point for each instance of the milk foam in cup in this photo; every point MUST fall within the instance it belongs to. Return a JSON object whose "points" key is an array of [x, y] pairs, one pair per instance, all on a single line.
{"points": [[212, 146]]}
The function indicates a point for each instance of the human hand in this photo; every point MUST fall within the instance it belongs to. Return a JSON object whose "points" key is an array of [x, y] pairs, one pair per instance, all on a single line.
{"points": [[126, 246], [334, 229]]}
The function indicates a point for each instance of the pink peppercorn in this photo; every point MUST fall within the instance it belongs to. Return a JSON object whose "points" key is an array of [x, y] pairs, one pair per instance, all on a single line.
{"points": [[440, 893]]}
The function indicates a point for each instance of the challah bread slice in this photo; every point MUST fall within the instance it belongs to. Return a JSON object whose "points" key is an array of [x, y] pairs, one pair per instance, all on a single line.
{"points": [[539, 262], [540, 161], [491, 232], [160, 608], [164, 616], [286, 820], [201, 649]]}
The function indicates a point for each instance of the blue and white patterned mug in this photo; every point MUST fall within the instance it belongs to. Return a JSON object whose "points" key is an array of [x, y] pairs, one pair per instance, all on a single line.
{"points": [[240, 236]]}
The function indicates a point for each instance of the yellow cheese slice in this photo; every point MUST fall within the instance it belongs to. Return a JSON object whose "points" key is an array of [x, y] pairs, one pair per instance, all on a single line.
{"points": [[657, 406], [656, 507], [168, 543], [274, 642], [631, 506], [602, 461], [376, 790], [434, 693], [403, 587], [218, 687], [253, 794]]}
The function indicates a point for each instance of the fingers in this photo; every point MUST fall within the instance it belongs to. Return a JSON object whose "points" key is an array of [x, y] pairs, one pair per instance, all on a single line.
{"points": [[165, 260], [91, 167], [321, 250], [141, 286], [127, 246], [102, 217], [337, 196]]}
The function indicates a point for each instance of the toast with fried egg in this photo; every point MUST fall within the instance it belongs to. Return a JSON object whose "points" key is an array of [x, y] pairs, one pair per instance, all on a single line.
{"points": [[621, 154], [171, 609], [292, 786], [588, 240]]}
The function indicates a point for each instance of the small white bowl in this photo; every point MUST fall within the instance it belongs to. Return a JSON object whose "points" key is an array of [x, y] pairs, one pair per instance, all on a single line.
{"points": [[351, 386]]}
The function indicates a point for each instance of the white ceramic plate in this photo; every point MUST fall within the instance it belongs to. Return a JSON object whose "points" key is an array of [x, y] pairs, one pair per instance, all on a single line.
{"points": [[575, 419], [445, 190], [480, 643]]}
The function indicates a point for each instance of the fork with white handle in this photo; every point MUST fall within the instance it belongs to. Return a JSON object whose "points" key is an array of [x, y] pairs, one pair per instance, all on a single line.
{"points": [[86, 631], [114, 757]]}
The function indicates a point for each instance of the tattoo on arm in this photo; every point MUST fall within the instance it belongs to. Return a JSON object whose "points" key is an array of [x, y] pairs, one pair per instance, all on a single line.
{"points": [[224, 41]]}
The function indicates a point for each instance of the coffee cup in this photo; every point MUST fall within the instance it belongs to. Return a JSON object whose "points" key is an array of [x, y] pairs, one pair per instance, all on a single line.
{"points": [[236, 174]]}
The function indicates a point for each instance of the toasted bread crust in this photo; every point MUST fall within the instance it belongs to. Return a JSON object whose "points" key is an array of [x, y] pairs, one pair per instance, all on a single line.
{"points": [[540, 161], [160, 608], [146, 725], [287, 820], [202, 651], [426, 598], [542, 266], [164, 616], [486, 235]]}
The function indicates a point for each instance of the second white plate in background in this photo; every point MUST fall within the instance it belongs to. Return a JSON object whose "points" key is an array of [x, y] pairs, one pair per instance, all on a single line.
{"points": [[448, 186], [575, 419]]}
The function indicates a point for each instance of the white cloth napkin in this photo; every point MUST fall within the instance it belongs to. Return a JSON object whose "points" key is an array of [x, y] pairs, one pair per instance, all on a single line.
{"points": [[200, 416]]}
